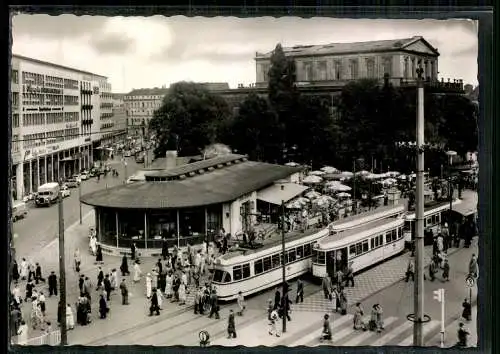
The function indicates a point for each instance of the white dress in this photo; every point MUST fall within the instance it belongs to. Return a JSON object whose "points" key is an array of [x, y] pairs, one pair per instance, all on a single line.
{"points": [[70, 320], [22, 335], [137, 272], [23, 269], [93, 245], [148, 286], [160, 298], [168, 285], [16, 293], [182, 293]]}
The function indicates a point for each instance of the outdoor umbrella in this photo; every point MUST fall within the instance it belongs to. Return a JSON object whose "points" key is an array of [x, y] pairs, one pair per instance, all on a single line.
{"points": [[362, 173], [312, 180], [316, 173], [329, 169], [333, 176], [347, 174], [294, 205], [343, 195], [292, 164], [339, 187], [393, 173], [312, 195]]}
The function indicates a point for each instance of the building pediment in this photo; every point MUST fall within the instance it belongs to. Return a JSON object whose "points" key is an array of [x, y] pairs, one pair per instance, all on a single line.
{"points": [[420, 46]]}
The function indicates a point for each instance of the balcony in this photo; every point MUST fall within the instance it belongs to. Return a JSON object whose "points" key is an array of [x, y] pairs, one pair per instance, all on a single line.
{"points": [[87, 107]]}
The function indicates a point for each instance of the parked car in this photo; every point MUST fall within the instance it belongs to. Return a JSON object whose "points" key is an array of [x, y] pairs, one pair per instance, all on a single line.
{"points": [[72, 183], [127, 153], [84, 176], [78, 178], [19, 211], [65, 191]]}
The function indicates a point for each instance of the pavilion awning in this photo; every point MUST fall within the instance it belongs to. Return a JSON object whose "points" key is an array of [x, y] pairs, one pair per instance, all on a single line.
{"points": [[275, 195], [466, 208]]}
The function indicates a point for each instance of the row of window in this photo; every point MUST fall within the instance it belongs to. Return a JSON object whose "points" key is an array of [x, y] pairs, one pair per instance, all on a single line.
{"points": [[429, 221], [71, 84], [71, 116], [375, 242], [32, 78], [55, 136], [33, 140], [131, 98], [271, 262], [71, 133], [15, 143], [55, 118], [15, 120], [33, 119], [70, 100]]}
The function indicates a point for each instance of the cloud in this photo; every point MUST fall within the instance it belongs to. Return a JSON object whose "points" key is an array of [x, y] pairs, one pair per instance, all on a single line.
{"points": [[112, 43]]}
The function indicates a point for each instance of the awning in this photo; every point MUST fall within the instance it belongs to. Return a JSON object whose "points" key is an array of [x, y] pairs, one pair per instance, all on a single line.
{"points": [[467, 207], [275, 195]]}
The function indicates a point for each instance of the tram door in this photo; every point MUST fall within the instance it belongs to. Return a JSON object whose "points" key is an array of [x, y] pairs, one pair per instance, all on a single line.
{"points": [[330, 264], [341, 260]]}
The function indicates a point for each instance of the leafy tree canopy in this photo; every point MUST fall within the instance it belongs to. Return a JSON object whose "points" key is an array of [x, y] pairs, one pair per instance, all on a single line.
{"points": [[189, 119]]}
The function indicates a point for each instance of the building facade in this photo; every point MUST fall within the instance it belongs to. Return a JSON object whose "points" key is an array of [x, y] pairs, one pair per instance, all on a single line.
{"points": [[344, 62], [55, 122], [140, 105]]}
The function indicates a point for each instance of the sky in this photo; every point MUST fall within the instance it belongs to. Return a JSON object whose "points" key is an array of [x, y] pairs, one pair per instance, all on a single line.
{"points": [[144, 52]]}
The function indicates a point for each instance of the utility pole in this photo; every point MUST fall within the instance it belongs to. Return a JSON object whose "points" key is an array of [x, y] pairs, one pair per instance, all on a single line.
{"points": [[418, 338], [283, 265], [62, 272], [354, 186], [80, 200]]}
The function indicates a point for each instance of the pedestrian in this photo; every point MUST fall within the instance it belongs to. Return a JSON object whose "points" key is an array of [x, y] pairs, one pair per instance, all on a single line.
{"points": [[100, 278], [160, 297], [197, 261], [231, 327], [446, 271], [22, 334], [277, 298], [380, 321], [132, 251], [326, 333], [78, 260], [137, 272], [159, 266], [196, 277], [168, 285], [81, 280], [198, 307], [103, 307], [445, 232], [373, 324], [273, 329], [86, 287], [462, 335], [15, 319], [432, 270], [285, 306], [214, 303], [124, 292], [98, 255], [473, 267], [148, 285], [343, 303], [15, 271], [24, 269], [16, 294], [70, 320], [29, 291], [164, 249], [326, 285], [467, 310], [349, 276], [176, 282], [154, 305], [241, 303], [124, 266], [339, 276], [114, 279], [182, 294], [93, 245], [52, 284], [107, 287], [300, 291], [358, 317], [410, 270], [41, 301]]}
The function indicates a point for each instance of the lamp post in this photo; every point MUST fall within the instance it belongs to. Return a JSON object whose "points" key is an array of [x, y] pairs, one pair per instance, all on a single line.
{"points": [[283, 265], [62, 271]]}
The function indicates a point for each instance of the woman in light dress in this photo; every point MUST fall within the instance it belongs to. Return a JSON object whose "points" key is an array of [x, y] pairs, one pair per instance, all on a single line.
{"points": [[168, 285], [22, 334], [358, 317], [16, 294], [149, 284], [93, 245], [24, 269], [137, 272], [159, 295], [182, 294], [70, 319], [78, 260]]}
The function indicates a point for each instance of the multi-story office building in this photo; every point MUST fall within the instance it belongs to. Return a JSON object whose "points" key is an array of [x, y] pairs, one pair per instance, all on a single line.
{"points": [[140, 105], [55, 121], [119, 117]]}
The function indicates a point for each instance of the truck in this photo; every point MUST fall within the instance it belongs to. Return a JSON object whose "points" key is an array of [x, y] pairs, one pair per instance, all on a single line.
{"points": [[47, 194]]}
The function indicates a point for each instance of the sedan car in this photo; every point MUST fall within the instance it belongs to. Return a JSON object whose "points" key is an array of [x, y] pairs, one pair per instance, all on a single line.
{"points": [[72, 183], [84, 176], [78, 178], [65, 192]]}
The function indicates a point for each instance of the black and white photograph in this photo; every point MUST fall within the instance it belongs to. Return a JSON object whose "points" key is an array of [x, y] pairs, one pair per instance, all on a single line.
{"points": [[225, 181]]}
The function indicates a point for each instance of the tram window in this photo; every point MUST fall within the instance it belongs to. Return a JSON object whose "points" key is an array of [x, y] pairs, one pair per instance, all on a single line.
{"points": [[394, 235], [399, 233], [387, 237], [300, 252], [258, 266], [352, 250], [380, 240], [372, 242], [291, 256], [321, 257], [408, 225], [365, 246], [237, 273], [246, 270], [359, 248], [267, 264], [227, 278], [307, 250], [218, 275], [276, 260], [428, 222], [438, 218]]}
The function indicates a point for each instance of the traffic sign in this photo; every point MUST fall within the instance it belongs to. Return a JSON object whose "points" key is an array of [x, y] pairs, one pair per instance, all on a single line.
{"points": [[470, 281]]}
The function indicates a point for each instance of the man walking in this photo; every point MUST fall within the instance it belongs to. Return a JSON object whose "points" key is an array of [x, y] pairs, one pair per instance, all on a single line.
{"points": [[107, 287], [124, 291], [154, 304], [38, 274], [231, 328], [349, 276], [215, 305], [300, 291], [410, 271], [52, 284]]}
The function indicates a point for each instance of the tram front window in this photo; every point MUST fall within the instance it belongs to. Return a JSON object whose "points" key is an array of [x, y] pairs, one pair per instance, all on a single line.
{"points": [[221, 276], [319, 257]]}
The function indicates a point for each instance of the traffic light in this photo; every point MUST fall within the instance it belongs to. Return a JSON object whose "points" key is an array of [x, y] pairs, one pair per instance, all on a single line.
{"points": [[438, 295]]}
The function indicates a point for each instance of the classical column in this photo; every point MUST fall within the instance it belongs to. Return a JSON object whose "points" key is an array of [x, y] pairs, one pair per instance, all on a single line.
{"points": [[145, 230], [19, 181], [117, 233], [178, 231], [31, 177]]}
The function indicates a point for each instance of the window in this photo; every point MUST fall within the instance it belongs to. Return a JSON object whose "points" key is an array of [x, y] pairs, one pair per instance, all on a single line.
{"points": [[400, 232], [308, 71], [359, 248], [276, 260], [321, 257], [221, 276], [380, 240], [15, 120], [370, 68], [15, 99], [428, 222], [338, 67], [291, 256], [246, 270], [407, 68], [372, 242], [394, 235], [322, 70], [388, 237], [353, 68], [307, 250], [365, 246], [258, 267], [15, 76], [352, 250], [237, 273], [300, 252], [387, 66]]}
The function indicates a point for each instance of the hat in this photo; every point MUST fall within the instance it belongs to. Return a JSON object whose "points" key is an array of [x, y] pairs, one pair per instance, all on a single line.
{"points": [[445, 224]]}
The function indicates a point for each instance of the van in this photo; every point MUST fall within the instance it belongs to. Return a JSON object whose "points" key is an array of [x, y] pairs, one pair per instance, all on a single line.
{"points": [[47, 194], [19, 210]]}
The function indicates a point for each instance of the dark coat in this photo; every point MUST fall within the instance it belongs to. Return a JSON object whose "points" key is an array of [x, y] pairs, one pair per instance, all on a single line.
{"points": [[15, 272], [124, 265], [154, 300], [123, 288], [100, 276], [230, 323], [38, 271], [107, 284], [277, 297], [98, 256], [53, 280]]}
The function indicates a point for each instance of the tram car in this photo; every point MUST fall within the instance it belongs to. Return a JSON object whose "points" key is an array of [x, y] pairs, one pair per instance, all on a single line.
{"points": [[360, 247], [433, 219]]}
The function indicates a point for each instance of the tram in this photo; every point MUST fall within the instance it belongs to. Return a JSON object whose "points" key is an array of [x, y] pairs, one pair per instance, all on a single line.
{"points": [[360, 247], [433, 219]]}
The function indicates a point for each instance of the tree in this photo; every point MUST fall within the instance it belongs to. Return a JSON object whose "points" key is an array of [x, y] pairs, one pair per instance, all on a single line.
{"points": [[253, 130], [189, 119]]}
